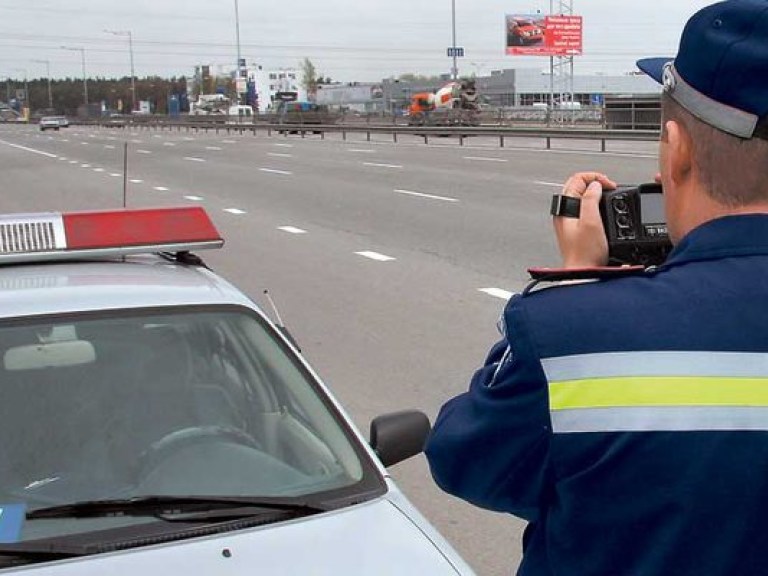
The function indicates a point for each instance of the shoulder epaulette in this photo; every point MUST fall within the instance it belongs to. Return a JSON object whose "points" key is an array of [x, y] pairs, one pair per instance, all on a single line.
{"points": [[539, 275]]}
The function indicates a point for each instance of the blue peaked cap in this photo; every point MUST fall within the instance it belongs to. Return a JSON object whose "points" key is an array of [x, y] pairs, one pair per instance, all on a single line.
{"points": [[720, 73]]}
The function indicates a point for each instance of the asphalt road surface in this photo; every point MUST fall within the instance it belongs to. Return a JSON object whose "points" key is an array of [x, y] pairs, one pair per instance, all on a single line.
{"points": [[389, 263]]}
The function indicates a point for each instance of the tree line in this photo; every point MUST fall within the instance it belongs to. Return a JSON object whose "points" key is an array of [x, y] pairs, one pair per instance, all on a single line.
{"points": [[68, 94]]}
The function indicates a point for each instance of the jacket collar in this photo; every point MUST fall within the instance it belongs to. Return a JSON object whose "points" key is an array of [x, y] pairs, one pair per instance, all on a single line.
{"points": [[740, 235]]}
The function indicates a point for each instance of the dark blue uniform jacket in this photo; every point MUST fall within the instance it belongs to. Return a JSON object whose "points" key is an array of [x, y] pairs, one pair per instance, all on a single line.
{"points": [[627, 420]]}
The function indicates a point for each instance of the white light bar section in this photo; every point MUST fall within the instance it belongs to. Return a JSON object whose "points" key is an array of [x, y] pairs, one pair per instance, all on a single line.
{"points": [[32, 233]]}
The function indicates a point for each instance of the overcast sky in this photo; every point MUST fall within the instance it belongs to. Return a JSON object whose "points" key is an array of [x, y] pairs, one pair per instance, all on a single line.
{"points": [[349, 40]]}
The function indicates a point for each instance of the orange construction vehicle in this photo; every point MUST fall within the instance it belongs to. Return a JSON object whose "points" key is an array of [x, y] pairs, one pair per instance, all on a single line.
{"points": [[455, 104]]}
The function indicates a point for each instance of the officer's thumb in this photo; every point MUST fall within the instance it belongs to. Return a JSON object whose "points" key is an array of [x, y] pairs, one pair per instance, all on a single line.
{"points": [[590, 202]]}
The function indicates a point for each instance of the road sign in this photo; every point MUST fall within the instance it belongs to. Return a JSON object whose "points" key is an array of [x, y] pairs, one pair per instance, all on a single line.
{"points": [[458, 52]]}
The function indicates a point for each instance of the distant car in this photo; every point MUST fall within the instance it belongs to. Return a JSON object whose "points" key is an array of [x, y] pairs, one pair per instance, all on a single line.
{"points": [[155, 420], [523, 31], [53, 122]]}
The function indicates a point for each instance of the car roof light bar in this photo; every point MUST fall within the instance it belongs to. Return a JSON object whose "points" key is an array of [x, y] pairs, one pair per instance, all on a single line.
{"points": [[54, 236]]}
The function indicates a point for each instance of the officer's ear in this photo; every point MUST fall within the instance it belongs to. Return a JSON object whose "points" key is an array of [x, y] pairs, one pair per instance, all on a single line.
{"points": [[679, 149]]}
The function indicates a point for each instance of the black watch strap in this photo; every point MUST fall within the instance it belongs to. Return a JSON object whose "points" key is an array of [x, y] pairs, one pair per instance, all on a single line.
{"points": [[567, 206]]}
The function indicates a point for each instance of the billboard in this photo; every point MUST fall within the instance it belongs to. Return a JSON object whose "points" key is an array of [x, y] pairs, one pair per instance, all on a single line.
{"points": [[539, 35]]}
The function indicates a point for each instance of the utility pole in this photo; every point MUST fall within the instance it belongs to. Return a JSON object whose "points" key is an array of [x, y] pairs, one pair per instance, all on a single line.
{"points": [[127, 33], [48, 75], [85, 78]]}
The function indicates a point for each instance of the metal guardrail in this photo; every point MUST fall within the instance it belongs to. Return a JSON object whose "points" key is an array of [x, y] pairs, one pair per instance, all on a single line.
{"points": [[426, 132]]}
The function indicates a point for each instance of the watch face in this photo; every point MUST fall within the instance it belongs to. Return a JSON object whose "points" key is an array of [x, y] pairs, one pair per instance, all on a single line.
{"points": [[566, 206]]}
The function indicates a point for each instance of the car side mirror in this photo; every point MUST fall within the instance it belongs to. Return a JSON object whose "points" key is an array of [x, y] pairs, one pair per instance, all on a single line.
{"points": [[399, 435]]}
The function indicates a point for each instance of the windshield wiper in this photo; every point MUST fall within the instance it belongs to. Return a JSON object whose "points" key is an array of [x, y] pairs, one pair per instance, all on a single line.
{"points": [[181, 508]]}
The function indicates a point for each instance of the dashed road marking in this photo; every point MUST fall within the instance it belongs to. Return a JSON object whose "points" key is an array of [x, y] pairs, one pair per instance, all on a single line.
{"points": [[376, 165], [98, 169], [194, 198], [228, 142], [375, 256], [279, 155], [485, 159], [143, 152], [234, 210], [284, 145], [169, 144], [273, 171], [85, 143], [109, 146], [291, 229], [428, 196], [135, 181], [361, 150], [194, 159], [48, 154], [213, 147], [554, 184], [115, 174], [496, 293], [160, 188], [85, 165]]}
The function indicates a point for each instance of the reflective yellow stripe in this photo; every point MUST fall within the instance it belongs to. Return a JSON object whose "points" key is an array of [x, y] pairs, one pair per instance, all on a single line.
{"points": [[658, 391]]}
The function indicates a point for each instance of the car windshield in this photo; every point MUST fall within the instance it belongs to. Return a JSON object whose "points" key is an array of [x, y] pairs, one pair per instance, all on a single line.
{"points": [[200, 402]]}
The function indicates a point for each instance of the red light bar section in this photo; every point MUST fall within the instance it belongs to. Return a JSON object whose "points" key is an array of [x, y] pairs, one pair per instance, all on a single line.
{"points": [[142, 227]]}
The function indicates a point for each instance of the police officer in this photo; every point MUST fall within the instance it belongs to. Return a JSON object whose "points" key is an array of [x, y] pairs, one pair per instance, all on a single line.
{"points": [[627, 419]]}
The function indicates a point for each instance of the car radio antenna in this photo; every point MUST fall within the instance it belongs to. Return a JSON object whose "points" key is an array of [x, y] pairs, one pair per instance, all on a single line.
{"points": [[125, 174]]}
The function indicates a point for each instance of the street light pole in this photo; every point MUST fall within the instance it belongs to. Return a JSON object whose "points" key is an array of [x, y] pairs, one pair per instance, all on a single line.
{"points": [[237, 36], [454, 70], [130, 49], [85, 80], [48, 75]]}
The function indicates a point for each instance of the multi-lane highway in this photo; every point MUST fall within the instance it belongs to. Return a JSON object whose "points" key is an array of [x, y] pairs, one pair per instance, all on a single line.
{"points": [[390, 263]]}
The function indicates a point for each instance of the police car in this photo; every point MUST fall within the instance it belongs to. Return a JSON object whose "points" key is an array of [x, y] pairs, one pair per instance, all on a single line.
{"points": [[154, 420]]}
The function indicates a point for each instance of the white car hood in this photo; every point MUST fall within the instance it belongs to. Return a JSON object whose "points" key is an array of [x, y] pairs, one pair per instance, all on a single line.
{"points": [[367, 539]]}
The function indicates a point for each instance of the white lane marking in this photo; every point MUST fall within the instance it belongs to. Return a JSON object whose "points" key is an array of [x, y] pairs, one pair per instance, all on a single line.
{"points": [[85, 165], [291, 229], [136, 141], [234, 210], [213, 148], [375, 165], [156, 136], [361, 150], [85, 143], [62, 158], [189, 138], [136, 181], [160, 188], [284, 145], [485, 159], [430, 196], [554, 184], [63, 139], [48, 154], [193, 159], [496, 293], [194, 198], [273, 171], [375, 256], [228, 142], [73, 161], [279, 155], [98, 169], [169, 144], [115, 174], [109, 146], [143, 152], [111, 138]]}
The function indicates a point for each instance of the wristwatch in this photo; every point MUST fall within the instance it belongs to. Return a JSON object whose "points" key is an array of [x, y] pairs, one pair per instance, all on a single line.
{"points": [[567, 206]]}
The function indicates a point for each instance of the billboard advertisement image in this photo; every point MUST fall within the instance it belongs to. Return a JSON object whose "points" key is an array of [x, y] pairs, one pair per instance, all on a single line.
{"points": [[539, 35]]}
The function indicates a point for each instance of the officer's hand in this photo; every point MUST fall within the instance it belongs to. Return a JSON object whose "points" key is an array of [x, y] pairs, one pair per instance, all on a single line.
{"points": [[582, 240]]}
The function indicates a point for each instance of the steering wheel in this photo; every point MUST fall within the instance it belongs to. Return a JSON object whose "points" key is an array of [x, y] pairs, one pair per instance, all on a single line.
{"points": [[169, 444]]}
